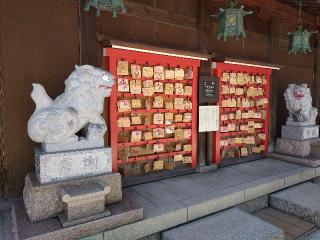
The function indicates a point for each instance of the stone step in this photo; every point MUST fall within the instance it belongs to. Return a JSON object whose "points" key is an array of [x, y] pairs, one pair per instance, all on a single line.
{"points": [[314, 236], [302, 200], [229, 224]]}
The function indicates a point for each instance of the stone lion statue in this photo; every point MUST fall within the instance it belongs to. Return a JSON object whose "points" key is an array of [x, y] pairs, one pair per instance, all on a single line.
{"points": [[299, 103], [78, 108]]}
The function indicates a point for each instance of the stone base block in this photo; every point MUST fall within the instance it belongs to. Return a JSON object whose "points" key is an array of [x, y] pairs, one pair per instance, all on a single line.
{"points": [[302, 201], [229, 224], [44, 201], [63, 218], [300, 132], [301, 124], [53, 167], [82, 143], [306, 161], [293, 147]]}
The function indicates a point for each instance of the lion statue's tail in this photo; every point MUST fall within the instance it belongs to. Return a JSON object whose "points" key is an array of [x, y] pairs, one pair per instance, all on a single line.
{"points": [[40, 97]]}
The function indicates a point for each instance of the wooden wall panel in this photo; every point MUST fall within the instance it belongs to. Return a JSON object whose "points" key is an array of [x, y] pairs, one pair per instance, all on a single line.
{"points": [[40, 45]]}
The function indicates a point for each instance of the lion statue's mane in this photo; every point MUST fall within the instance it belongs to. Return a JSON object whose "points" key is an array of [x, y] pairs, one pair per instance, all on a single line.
{"points": [[78, 108]]}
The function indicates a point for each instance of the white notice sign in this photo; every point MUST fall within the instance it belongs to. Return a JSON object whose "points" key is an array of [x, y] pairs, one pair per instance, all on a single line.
{"points": [[208, 118]]}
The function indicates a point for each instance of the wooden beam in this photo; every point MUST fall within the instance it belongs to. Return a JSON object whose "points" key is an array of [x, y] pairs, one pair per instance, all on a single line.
{"points": [[160, 15], [274, 9]]}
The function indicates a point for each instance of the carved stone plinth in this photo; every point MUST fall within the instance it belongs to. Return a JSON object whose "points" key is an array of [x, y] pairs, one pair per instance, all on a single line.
{"points": [[83, 203], [293, 147], [300, 132], [44, 201], [53, 167]]}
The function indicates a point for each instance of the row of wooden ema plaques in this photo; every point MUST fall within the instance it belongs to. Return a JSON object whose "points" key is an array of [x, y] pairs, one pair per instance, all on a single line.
{"points": [[153, 112]]}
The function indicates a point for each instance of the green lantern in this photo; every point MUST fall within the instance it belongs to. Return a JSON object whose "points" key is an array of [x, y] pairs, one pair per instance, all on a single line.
{"points": [[299, 41], [109, 5], [231, 21]]}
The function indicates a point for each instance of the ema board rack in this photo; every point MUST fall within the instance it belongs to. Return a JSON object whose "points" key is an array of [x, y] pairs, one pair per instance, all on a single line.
{"points": [[244, 112], [153, 111]]}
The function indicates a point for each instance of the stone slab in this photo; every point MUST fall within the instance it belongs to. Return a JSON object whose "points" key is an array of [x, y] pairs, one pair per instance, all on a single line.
{"points": [[314, 236], [155, 220], [297, 148], [94, 237], [229, 224], [307, 161], [53, 167], [296, 176], [69, 146], [255, 205], [213, 202], [302, 124], [123, 213], [68, 223], [300, 132], [301, 200], [43, 201], [262, 187]]}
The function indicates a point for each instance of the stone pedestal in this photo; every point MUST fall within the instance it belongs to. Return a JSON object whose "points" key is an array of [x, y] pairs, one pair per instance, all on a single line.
{"points": [[43, 201], [299, 143], [59, 166], [300, 132]]}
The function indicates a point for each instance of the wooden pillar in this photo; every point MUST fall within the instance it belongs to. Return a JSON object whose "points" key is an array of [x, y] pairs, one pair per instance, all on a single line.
{"points": [[273, 45], [3, 147], [204, 33], [90, 48]]}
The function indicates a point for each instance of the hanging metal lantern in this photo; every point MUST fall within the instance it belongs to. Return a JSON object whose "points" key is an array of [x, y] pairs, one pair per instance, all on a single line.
{"points": [[231, 21], [299, 41], [113, 6]]}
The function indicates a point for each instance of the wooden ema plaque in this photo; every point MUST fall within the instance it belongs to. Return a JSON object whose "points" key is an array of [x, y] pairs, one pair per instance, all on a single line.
{"points": [[157, 98]]}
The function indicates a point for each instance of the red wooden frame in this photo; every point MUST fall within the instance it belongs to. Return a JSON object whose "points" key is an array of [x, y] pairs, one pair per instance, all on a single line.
{"points": [[111, 56], [221, 67]]}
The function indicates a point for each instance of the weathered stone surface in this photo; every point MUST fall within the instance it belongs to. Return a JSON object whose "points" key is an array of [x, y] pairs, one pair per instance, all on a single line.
{"points": [[302, 201], [262, 186], [65, 222], [299, 132], [123, 213], [53, 167], [293, 147], [296, 176], [212, 202], [300, 124], [314, 236], [307, 161], [43, 201], [254, 205], [230, 224], [85, 201], [83, 143], [94, 237]]}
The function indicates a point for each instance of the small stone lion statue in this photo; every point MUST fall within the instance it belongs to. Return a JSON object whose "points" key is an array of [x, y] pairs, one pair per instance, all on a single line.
{"points": [[78, 108], [299, 103]]}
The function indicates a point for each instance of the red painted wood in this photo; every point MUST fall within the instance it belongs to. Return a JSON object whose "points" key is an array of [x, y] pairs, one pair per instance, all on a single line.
{"points": [[225, 67], [113, 55]]}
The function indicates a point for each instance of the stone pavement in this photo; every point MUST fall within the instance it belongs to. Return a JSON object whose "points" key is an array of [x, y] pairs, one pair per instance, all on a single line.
{"points": [[171, 202], [174, 201], [240, 225]]}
